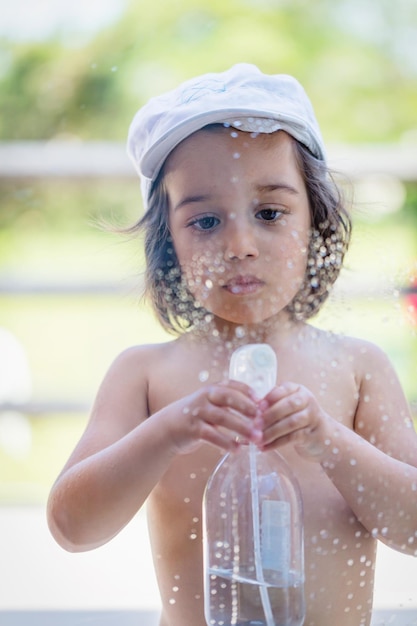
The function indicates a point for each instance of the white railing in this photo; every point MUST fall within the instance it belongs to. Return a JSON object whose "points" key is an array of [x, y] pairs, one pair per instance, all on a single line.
{"points": [[94, 160], [101, 159]]}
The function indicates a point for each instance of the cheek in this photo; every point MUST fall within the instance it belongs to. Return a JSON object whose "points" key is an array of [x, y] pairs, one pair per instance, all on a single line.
{"points": [[299, 249], [291, 252], [207, 260], [199, 270]]}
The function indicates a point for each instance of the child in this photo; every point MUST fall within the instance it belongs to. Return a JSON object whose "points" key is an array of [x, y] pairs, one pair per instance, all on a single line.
{"points": [[245, 234]]}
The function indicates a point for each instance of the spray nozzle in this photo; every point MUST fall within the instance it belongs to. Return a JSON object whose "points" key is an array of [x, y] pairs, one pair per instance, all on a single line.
{"points": [[255, 365]]}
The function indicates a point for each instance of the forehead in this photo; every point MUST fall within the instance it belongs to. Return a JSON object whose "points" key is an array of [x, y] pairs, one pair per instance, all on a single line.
{"points": [[216, 135], [212, 149]]}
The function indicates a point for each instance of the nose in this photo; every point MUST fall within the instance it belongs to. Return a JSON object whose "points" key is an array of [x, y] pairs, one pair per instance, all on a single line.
{"points": [[240, 242]]}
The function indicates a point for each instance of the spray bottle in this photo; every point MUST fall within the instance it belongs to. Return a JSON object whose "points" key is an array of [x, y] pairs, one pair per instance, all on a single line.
{"points": [[252, 524]]}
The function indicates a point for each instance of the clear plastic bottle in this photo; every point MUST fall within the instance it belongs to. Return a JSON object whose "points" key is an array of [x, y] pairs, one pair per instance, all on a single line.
{"points": [[253, 525]]}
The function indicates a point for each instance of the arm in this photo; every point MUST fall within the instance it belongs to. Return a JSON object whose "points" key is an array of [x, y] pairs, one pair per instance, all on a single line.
{"points": [[123, 453], [374, 465]]}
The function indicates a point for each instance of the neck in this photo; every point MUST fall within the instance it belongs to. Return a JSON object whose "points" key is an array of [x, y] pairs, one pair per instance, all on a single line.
{"points": [[273, 331]]}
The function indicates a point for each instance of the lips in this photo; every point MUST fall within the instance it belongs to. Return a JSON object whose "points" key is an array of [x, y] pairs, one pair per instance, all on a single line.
{"points": [[242, 285]]}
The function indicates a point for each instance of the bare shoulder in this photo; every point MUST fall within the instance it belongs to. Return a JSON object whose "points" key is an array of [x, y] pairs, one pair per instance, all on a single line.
{"points": [[129, 377], [356, 353], [139, 358], [383, 414], [121, 403], [369, 361], [362, 362]]}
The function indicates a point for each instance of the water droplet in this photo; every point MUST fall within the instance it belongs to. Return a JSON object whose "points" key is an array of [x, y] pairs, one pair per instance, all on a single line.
{"points": [[187, 500], [202, 377], [114, 68], [350, 562], [240, 332], [236, 155], [175, 589], [353, 461], [171, 601]]}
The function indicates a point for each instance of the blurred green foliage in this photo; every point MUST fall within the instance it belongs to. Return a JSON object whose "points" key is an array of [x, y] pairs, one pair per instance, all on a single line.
{"points": [[356, 59]]}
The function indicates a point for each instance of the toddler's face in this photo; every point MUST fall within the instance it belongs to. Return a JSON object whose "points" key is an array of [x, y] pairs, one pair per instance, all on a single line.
{"points": [[240, 221]]}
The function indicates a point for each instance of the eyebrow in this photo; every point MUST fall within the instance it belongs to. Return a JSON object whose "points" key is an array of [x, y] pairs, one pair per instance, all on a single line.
{"points": [[193, 200], [277, 187], [205, 197]]}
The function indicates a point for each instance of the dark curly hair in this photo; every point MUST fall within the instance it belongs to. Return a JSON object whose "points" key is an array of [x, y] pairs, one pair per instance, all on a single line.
{"points": [[330, 233]]}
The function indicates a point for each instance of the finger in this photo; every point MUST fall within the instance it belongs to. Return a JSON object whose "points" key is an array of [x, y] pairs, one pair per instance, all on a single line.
{"points": [[235, 423], [228, 438], [233, 398], [286, 427], [276, 443], [293, 399], [240, 386], [218, 437], [280, 392]]}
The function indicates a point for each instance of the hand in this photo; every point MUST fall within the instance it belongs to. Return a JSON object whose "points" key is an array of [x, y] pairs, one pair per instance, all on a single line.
{"points": [[216, 414], [290, 413]]}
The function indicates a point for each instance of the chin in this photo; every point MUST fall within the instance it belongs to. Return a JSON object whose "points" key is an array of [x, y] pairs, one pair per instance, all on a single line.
{"points": [[248, 312], [251, 316]]}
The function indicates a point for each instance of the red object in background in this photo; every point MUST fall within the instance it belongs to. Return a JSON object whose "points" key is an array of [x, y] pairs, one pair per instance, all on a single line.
{"points": [[411, 299]]}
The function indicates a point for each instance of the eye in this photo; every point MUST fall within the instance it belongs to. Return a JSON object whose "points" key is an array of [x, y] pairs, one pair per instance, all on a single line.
{"points": [[269, 214], [206, 222]]}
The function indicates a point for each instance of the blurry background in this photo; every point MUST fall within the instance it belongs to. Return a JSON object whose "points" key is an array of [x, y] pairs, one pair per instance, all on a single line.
{"points": [[72, 75]]}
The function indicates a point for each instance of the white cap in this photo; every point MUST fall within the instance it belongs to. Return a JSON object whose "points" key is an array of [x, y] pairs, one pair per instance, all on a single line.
{"points": [[233, 97]]}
